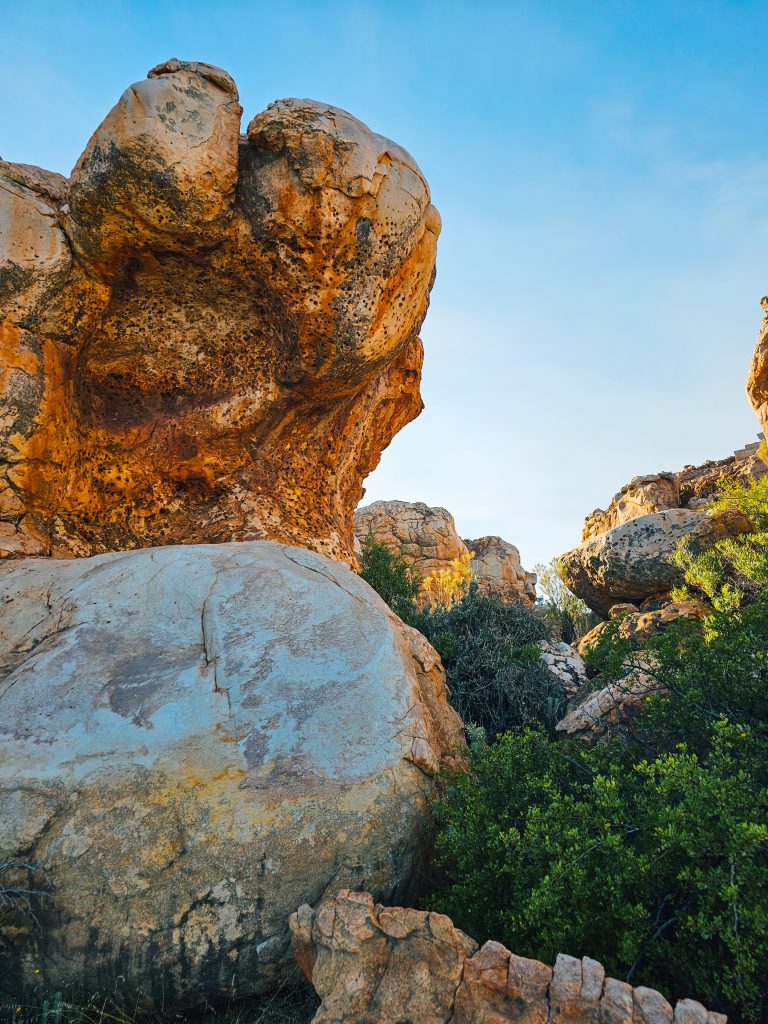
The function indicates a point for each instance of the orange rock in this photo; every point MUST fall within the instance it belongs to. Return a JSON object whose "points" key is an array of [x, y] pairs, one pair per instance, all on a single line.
{"points": [[236, 339]]}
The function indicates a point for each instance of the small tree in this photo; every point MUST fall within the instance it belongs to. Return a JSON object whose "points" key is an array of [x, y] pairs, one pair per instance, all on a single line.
{"points": [[566, 613], [446, 587]]}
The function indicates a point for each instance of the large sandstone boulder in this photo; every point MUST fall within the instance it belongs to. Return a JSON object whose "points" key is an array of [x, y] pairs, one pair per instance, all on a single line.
{"points": [[207, 336], [194, 741], [427, 539], [383, 965], [626, 550], [634, 561]]}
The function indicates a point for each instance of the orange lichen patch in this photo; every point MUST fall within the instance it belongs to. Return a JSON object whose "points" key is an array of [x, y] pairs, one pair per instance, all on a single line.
{"points": [[12, 355]]}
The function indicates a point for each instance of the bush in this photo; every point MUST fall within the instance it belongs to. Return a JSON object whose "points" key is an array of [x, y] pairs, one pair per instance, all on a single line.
{"points": [[393, 579], [492, 661], [649, 851]]}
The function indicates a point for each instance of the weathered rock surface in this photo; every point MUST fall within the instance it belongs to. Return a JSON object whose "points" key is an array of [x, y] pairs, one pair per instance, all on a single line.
{"points": [[206, 336], [499, 571], [757, 379], [565, 662], [195, 740], [382, 965], [626, 549], [596, 713], [690, 489], [427, 538], [633, 561], [638, 625]]}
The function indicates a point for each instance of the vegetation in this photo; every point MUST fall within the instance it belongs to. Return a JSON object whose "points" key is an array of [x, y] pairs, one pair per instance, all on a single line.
{"points": [[489, 648], [492, 662], [567, 615], [444, 588], [648, 851], [393, 579]]}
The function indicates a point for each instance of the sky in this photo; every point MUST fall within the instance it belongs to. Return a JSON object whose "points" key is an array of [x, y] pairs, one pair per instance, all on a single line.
{"points": [[601, 169]]}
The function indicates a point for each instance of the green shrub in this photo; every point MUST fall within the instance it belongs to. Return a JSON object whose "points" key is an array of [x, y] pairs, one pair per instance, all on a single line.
{"points": [[567, 615], [649, 851], [393, 579], [492, 661]]}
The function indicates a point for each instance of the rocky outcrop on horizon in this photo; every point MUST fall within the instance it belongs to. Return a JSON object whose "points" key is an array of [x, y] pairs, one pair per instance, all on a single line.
{"points": [[626, 550], [757, 379], [207, 336], [427, 539], [195, 740], [383, 964]]}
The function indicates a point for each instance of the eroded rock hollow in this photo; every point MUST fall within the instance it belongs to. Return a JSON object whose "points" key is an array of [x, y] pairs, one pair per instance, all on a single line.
{"points": [[207, 336]]}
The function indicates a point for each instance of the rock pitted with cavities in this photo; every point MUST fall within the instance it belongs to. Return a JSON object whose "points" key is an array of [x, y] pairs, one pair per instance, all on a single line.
{"points": [[206, 336]]}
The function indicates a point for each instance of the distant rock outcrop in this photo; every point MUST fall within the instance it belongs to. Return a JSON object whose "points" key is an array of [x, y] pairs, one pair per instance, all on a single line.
{"points": [[427, 538], [626, 550], [195, 740], [385, 964], [207, 336], [757, 380], [496, 563]]}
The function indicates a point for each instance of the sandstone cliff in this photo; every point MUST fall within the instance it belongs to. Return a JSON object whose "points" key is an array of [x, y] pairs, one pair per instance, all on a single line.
{"points": [[207, 336], [427, 538], [757, 379]]}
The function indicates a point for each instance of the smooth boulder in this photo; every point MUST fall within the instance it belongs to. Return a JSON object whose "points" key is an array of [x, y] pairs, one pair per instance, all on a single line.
{"points": [[194, 741]]}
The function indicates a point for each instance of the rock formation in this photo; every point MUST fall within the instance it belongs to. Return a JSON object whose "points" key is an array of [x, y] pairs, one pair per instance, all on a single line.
{"points": [[626, 550], [497, 566], [427, 539], [383, 964], [194, 740], [757, 380], [206, 336], [563, 661]]}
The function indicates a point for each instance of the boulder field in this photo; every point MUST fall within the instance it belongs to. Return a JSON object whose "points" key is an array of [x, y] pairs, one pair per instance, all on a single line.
{"points": [[207, 336], [195, 740]]}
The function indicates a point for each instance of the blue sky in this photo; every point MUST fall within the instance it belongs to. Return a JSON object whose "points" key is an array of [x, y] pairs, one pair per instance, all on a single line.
{"points": [[602, 174]]}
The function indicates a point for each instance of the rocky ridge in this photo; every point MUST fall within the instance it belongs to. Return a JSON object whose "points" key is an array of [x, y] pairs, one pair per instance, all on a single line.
{"points": [[626, 550], [383, 964]]}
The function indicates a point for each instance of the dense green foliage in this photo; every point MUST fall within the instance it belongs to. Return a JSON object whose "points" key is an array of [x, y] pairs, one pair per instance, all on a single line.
{"points": [[489, 648], [492, 662], [648, 851], [397, 582]]}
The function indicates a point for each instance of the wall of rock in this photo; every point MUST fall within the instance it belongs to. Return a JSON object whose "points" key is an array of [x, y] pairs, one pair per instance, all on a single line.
{"points": [[207, 336], [757, 379], [427, 538], [383, 964]]}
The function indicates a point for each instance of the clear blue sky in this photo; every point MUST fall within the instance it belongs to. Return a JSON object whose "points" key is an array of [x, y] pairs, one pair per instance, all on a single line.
{"points": [[602, 173]]}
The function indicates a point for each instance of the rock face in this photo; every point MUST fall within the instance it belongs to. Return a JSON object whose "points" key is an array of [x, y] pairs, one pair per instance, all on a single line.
{"points": [[499, 571], [195, 740], [757, 380], [564, 662], [633, 562], [626, 550], [384, 964], [427, 539], [638, 626], [206, 336]]}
